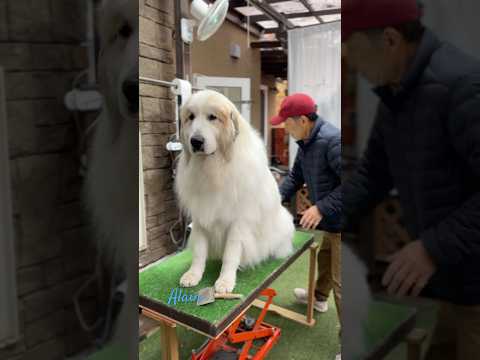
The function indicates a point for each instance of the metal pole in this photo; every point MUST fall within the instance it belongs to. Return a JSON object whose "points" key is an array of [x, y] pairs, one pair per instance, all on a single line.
{"points": [[90, 42], [162, 83], [156, 82], [179, 50]]}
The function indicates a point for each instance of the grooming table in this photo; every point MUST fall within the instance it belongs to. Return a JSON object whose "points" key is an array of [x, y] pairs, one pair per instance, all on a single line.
{"points": [[157, 282], [387, 326]]}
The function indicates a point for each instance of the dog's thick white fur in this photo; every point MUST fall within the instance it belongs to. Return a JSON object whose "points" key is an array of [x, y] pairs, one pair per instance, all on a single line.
{"points": [[113, 159], [355, 304], [229, 191]]}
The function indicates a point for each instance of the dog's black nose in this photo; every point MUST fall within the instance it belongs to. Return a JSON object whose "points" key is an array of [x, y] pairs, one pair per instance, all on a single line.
{"points": [[197, 142], [130, 90]]}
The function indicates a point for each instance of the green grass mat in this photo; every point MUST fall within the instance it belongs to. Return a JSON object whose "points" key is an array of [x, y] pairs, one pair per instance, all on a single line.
{"points": [[384, 320], [158, 282], [296, 342], [108, 353], [299, 342]]}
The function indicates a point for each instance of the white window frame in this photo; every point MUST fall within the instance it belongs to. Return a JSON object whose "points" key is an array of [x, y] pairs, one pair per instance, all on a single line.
{"points": [[244, 83], [9, 329], [142, 223]]}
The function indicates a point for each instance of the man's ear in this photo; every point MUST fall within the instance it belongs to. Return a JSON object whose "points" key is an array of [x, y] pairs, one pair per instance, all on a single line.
{"points": [[392, 38]]}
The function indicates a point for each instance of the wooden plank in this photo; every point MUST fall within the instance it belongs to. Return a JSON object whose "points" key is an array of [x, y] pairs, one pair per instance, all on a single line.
{"points": [[285, 313], [316, 14], [265, 44], [237, 3], [164, 341], [147, 326], [310, 9], [311, 281], [414, 343], [172, 342], [237, 20], [272, 13], [161, 318]]}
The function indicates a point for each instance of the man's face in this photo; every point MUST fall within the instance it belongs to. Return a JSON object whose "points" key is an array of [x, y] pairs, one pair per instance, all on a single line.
{"points": [[297, 127], [377, 57]]}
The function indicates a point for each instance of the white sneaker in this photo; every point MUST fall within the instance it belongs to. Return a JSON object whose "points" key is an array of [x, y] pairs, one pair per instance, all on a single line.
{"points": [[338, 357], [301, 296]]}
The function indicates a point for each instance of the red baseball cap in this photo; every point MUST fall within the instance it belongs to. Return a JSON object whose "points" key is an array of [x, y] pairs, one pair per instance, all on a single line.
{"points": [[373, 14], [294, 105]]}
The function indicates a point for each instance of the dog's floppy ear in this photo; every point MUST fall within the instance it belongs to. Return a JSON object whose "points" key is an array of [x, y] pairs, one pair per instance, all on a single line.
{"points": [[234, 117], [226, 139]]}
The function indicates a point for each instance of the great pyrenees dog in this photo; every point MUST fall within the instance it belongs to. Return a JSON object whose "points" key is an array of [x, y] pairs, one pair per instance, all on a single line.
{"points": [[112, 175], [223, 182]]}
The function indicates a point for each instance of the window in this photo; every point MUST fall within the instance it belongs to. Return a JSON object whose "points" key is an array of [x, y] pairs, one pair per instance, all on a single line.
{"points": [[237, 90]]}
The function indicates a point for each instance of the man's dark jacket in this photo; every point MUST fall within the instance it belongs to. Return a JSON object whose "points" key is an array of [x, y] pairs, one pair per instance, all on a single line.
{"points": [[318, 164], [426, 143]]}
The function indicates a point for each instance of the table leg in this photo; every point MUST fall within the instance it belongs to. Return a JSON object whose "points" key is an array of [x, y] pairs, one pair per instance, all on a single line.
{"points": [[311, 282], [414, 343], [169, 341]]}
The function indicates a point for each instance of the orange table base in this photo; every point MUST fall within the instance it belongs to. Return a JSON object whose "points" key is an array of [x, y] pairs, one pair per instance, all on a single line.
{"points": [[236, 335]]}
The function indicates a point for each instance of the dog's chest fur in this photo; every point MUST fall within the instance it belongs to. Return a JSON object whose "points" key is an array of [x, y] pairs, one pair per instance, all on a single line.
{"points": [[204, 191]]}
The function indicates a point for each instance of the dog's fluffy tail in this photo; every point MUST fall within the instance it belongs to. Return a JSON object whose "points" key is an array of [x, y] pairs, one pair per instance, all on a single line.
{"points": [[285, 233]]}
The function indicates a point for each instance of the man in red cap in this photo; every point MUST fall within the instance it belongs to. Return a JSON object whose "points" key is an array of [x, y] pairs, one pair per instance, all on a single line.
{"points": [[318, 165], [425, 143]]}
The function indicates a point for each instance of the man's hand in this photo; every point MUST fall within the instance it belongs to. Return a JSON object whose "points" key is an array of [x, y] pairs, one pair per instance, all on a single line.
{"points": [[410, 270], [310, 218]]}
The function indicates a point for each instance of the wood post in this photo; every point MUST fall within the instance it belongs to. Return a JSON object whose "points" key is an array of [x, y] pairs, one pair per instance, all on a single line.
{"points": [[169, 341], [414, 343], [311, 282]]}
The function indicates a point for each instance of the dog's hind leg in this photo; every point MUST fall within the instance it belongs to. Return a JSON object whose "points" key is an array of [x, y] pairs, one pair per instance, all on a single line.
{"points": [[200, 252]]}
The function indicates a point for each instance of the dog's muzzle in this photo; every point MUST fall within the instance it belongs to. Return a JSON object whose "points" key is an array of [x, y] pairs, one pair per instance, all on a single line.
{"points": [[130, 90], [198, 143]]}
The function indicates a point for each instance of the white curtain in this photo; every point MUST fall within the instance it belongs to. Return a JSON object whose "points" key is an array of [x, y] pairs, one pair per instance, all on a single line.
{"points": [[314, 68]]}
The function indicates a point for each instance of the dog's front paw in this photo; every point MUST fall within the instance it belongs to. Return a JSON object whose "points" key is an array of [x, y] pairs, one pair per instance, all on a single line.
{"points": [[224, 285], [190, 278]]}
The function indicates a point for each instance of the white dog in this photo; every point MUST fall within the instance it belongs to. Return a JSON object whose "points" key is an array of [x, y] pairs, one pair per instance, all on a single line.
{"points": [[223, 182], [113, 158]]}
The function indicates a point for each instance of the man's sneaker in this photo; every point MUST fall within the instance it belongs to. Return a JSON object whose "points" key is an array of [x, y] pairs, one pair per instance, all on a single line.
{"points": [[301, 296], [338, 357]]}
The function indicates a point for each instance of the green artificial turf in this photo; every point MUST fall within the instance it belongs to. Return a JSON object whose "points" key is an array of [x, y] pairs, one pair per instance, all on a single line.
{"points": [[383, 319], [161, 281], [297, 342], [108, 353]]}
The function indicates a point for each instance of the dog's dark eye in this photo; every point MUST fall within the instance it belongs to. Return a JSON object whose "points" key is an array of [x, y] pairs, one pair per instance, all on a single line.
{"points": [[125, 31], [191, 117], [212, 117]]}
